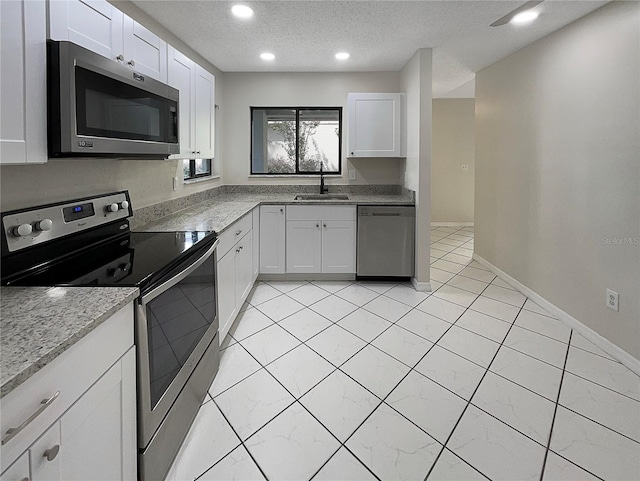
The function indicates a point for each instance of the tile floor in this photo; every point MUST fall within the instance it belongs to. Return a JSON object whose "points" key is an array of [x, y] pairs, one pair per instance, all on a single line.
{"points": [[365, 381]]}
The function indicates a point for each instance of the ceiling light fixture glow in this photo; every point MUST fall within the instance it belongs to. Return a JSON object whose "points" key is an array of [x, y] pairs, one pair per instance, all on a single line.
{"points": [[242, 11], [525, 17], [267, 56], [342, 56]]}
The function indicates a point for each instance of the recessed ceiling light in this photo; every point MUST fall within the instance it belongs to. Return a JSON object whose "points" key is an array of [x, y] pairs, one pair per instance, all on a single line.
{"points": [[525, 7], [267, 56], [242, 11], [342, 56], [525, 17]]}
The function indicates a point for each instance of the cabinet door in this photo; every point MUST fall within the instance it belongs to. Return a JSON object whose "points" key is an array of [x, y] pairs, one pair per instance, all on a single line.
{"points": [[375, 125], [272, 239], [181, 76], [23, 62], [144, 51], [304, 246], [18, 471], [244, 269], [339, 246], [95, 25], [226, 277], [204, 113], [98, 431], [255, 243], [45, 455]]}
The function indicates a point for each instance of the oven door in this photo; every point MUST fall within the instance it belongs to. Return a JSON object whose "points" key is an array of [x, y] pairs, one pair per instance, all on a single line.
{"points": [[176, 321]]}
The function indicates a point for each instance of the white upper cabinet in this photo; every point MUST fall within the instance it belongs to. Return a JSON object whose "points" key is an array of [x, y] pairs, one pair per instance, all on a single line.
{"points": [[376, 125], [23, 89], [197, 106], [100, 27]]}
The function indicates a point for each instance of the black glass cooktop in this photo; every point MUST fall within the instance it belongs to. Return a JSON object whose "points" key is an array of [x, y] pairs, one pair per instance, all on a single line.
{"points": [[134, 259]]}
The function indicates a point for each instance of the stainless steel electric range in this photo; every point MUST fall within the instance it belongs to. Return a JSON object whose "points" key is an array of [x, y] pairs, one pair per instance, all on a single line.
{"points": [[87, 242]]}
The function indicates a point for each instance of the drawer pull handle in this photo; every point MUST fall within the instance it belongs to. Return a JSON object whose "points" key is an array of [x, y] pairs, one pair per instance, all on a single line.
{"points": [[44, 404], [52, 452], [239, 231]]}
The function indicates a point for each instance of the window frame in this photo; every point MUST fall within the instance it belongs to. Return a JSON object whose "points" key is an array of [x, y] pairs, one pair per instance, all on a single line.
{"points": [[297, 172], [192, 170]]}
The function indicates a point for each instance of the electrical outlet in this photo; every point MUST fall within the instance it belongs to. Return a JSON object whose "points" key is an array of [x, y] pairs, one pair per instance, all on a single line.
{"points": [[352, 175], [612, 299], [175, 184], [465, 167]]}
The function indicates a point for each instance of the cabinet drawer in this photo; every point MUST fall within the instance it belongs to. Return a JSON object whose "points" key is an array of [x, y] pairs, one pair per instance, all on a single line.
{"points": [[71, 374], [234, 233], [321, 212]]}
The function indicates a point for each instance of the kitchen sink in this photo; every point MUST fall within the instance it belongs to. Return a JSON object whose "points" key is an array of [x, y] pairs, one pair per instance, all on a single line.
{"points": [[321, 197]]}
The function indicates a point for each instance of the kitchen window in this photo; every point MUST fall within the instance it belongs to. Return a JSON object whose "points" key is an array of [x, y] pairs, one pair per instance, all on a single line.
{"points": [[196, 168], [296, 140]]}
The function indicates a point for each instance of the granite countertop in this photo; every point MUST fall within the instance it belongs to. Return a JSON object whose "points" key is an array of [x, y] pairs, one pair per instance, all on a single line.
{"points": [[37, 324], [220, 212]]}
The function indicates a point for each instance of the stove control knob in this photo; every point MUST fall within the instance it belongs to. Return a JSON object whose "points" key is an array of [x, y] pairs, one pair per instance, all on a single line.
{"points": [[44, 225], [22, 230], [124, 205], [113, 207]]}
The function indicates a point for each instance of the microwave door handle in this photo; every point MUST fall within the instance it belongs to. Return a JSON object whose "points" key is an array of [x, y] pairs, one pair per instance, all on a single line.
{"points": [[155, 292]]}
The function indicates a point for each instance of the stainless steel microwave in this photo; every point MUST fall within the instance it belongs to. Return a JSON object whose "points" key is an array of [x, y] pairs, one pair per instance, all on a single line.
{"points": [[100, 108]]}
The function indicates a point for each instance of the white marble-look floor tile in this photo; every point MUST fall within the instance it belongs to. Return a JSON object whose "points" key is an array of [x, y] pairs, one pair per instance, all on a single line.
{"points": [[442, 247], [464, 251], [457, 296], [343, 466], [500, 283], [308, 294], [468, 284], [333, 308], [474, 271], [457, 258], [528, 371], [375, 370], [508, 296], [235, 364], [378, 286], [602, 405], [457, 236], [235, 466], [387, 308], [445, 310], [536, 345], [559, 469], [336, 344], [402, 344], [452, 242], [332, 286], [518, 407], [357, 294], [583, 343], [450, 467], [469, 345], [544, 325], [452, 371], [529, 305], [435, 285], [486, 326], [497, 309], [448, 266], [438, 274], [340, 404], [595, 448], [495, 449], [251, 403], [610, 374], [424, 325], [476, 264], [228, 341], [280, 308], [269, 344], [392, 447], [299, 370], [293, 446], [429, 405], [364, 324], [262, 292], [407, 295], [286, 286], [305, 324], [209, 439], [249, 322]]}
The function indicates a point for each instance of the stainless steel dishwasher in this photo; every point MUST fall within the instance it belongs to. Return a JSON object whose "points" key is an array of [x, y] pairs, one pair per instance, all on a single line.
{"points": [[386, 241]]}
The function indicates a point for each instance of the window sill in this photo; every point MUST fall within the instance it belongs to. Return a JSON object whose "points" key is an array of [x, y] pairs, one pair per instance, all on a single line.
{"points": [[200, 179], [291, 176]]}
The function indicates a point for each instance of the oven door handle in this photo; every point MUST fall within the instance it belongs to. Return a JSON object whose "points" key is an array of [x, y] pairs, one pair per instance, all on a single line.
{"points": [[155, 292]]}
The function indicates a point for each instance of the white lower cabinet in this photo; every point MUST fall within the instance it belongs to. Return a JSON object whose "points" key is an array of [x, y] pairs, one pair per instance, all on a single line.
{"points": [[18, 471], [272, 239], [321, 239]]}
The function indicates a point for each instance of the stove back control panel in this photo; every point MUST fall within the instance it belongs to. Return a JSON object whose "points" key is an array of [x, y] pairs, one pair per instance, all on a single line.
{"points": [[29, 227]]}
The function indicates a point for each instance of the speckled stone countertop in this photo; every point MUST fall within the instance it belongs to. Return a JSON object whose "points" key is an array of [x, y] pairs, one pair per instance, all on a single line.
{"points": [[37, 324], [222, 211]]}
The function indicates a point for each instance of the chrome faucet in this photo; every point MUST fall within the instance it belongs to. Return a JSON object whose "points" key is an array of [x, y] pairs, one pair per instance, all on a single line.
{"points": [[323, 189]]}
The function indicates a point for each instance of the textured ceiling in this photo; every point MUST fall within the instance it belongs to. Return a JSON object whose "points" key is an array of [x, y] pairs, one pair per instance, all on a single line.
{"points": [[379, 35]]}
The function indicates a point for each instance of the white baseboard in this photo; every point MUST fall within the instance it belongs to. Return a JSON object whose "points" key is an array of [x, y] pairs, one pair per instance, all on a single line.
{"points": [[606, 345], [452, 224], [421, 286]]}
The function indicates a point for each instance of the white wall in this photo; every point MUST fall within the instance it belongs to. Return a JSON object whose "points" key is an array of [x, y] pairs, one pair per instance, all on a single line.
{"points": [[453, 146], [558, 169], [245, 90]]}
